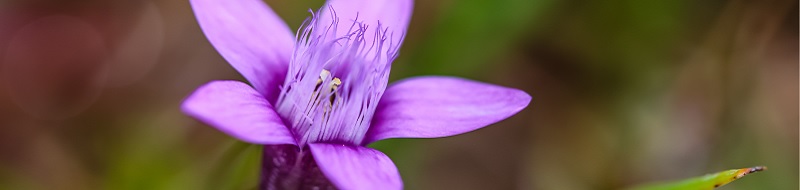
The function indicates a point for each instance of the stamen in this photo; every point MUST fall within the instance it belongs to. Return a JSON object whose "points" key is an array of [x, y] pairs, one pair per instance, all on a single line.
{"points": [[332, 87]]}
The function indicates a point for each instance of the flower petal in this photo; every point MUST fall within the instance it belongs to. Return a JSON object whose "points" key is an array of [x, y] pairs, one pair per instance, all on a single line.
{"points": [[356, 167], [251, 37], [436, 106], [393, 16], [237, 109]]}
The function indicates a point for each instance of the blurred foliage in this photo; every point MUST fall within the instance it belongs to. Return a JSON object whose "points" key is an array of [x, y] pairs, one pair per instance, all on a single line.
{"points": [[470, 34]]}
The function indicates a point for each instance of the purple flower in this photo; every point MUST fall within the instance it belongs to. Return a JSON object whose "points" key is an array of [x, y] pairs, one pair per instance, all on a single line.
{"points": [[325, 93]]}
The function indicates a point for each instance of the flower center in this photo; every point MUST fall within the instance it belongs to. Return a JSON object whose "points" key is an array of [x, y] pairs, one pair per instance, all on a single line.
{"points": [[315, 102]]}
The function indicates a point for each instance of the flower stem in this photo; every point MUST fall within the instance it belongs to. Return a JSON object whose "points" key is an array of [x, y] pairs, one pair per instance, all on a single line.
{"points": [[288, 167]]}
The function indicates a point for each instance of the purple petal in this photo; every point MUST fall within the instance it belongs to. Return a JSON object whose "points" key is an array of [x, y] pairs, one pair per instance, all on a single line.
{"points": [[393, 16], [355, 167], [435, 106], [237, 109], [251, 37]]}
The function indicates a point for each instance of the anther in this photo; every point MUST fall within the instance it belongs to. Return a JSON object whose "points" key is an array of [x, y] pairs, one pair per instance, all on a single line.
{"points": [[332, 87]]}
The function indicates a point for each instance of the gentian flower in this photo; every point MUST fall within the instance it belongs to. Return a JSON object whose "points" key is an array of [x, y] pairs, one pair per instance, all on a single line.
{"points": [[316, 101]]}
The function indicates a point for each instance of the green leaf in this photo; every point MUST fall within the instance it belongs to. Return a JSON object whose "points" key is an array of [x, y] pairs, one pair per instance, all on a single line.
{"points": [[706, 182]]}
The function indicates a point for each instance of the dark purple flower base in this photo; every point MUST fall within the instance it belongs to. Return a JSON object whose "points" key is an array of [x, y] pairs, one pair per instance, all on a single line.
{"points": [[286, 167]]}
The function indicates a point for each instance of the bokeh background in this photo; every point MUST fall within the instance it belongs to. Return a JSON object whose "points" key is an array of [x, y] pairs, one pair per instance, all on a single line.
{"points": [[624, 92]]}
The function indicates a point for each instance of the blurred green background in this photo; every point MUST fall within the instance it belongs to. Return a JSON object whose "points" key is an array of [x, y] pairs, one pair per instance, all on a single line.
{"points": [[624, 92]]}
